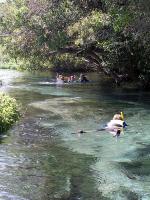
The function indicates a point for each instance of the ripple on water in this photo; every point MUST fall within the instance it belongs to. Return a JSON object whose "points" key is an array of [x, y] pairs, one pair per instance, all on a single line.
{"points": [[6, 195], [119, 173], [89, 166]]}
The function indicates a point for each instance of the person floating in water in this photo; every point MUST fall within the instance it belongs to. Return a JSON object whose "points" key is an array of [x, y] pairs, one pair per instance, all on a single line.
{"points": [[71, 79], [83, 78], [116, 125], [59, 79]]}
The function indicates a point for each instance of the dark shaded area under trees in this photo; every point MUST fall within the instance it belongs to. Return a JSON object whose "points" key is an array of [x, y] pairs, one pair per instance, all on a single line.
{"points": [[111, 36]]}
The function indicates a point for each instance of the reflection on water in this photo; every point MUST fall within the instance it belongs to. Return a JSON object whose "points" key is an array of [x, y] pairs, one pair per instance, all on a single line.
{"points": [[42, 159]]}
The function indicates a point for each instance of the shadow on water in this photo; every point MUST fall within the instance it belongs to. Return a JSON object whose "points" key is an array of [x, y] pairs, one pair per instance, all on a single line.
{"points": [[140, 165], [75, 173]]}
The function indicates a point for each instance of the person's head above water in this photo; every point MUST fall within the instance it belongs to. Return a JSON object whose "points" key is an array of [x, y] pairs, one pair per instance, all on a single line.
{"points": [[118, 116]]}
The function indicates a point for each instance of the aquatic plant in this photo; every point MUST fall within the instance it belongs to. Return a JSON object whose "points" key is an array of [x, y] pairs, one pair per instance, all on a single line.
{"points": [[9, 112]]}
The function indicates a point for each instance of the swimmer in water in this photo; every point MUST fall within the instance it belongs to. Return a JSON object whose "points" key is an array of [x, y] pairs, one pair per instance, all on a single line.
{"points": [[116, 125], [59, 79]]}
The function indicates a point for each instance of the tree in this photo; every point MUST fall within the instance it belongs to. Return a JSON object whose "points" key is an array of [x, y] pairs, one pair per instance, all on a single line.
{"points": [[111, 35]]}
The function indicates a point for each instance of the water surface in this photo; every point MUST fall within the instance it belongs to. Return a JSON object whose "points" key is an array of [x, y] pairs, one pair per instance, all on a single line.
{"points": [[42, 159]]}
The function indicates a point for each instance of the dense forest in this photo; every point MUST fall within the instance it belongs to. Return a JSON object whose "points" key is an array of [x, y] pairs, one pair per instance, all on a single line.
{"points": [[111, 36]]}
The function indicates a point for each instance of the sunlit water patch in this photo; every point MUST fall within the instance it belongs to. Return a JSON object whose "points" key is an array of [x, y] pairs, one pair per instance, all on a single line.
{"points": [[7, 77]]}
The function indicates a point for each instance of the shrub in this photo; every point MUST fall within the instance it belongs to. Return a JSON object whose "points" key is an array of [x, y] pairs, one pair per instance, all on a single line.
{"points": [[9, 112]]}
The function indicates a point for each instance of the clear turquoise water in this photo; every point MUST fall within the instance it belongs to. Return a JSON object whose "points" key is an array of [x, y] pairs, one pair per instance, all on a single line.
{"points": [[41, 159]]}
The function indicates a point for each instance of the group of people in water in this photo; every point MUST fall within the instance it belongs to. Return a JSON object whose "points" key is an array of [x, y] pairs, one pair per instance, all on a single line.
{"points": [[60, 79]]}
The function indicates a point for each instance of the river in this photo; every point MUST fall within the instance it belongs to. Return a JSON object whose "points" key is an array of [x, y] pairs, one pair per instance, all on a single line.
{"points": [[41, 158]]}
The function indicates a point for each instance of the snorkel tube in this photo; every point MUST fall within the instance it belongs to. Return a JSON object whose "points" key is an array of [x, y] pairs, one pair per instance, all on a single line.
{"points": [[124, 123], [122, 116]]}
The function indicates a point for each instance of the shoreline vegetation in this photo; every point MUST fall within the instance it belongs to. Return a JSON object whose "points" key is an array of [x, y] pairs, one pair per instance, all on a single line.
{"points": [[9, 66], [9, 112], [108, 36]]}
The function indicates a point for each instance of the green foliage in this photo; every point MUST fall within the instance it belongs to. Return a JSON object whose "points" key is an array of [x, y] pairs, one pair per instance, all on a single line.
{"points": [[6, 62], [121, 18], [87, 29], [68, 63], [112, 35], [9, 112], [36, 27]]}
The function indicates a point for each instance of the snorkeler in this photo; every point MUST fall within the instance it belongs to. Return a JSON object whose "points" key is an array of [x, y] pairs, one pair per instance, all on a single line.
{"points": [[116, 125]]}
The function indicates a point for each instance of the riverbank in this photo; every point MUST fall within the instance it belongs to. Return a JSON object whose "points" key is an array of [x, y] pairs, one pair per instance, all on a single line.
{"points": [[13, 66]]}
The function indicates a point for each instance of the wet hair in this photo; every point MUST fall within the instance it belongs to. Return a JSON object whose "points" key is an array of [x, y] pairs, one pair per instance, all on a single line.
{"points": [[118, 113], [117, 116]]}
